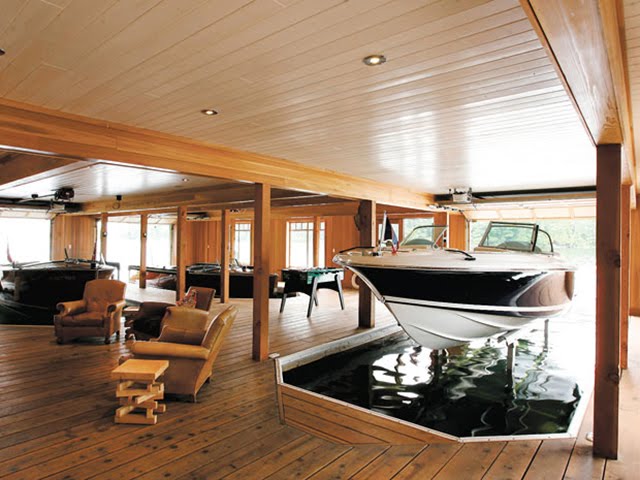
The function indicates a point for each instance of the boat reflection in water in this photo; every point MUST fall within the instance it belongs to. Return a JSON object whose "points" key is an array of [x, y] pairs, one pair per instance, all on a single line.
{"points": [[467, 393]]}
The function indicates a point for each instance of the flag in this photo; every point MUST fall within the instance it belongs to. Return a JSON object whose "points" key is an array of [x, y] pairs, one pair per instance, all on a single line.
{"points": [[388, 233], [9, 258]]}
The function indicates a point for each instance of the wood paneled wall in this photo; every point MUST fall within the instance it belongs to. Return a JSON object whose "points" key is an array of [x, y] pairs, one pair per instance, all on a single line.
{"points": [[457, 231], [634, 264], [203, 241], [203, 244], [340, 233], [77, 231], [278, 258]]}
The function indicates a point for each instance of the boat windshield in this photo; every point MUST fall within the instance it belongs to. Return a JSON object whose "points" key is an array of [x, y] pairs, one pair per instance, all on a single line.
{"points": [[425, 236], [520, 237]]}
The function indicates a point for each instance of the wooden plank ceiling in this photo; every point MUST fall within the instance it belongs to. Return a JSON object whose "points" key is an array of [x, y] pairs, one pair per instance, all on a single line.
{"points": [[467, 96], [93, 181]]}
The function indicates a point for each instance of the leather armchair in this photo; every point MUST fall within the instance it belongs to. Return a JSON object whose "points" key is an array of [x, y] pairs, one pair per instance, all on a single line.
{"points": [[191, 340], [148, 321], [204, 297], [98, 314]]}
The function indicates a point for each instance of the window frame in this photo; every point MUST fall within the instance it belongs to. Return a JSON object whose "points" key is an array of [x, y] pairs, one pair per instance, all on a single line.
{"points": [[315, 227], [234, 229]]}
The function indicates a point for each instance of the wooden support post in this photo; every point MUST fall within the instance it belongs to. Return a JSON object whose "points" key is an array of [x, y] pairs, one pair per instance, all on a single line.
{"points": [[625, 238], [181, 253], [316, 242], [261, 272], [225, 255], [367, 226], [607, 374], [144, 221], [104, 223]]}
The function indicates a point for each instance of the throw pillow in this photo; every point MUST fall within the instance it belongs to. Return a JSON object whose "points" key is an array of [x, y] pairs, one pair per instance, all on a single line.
{"points": [[181, 335], [190, 299]]}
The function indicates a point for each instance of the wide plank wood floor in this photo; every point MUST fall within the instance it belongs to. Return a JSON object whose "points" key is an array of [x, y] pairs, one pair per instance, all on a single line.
{"points": [[56, 418]]}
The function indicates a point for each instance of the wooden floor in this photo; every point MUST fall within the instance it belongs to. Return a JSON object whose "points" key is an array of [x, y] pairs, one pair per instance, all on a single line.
{"points": [[56, 419]]}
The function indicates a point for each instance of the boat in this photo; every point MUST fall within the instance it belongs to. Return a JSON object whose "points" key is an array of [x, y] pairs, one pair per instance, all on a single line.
{"points": [[39, 286], [240, 278], [446, 297]]}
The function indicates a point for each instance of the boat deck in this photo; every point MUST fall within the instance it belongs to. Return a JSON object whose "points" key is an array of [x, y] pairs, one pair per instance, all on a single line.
{"points": [[56, 418], [136, 295]]}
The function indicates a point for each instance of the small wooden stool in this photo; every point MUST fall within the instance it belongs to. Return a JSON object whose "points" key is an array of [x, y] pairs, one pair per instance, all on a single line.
{"points": [[138, 388]]}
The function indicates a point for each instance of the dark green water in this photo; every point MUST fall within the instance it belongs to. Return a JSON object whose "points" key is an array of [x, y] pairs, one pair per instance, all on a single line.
{"points": [[465, 393]]}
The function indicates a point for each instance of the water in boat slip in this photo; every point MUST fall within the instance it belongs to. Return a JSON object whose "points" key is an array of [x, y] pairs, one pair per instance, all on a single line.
{"points": [[468, 392]]}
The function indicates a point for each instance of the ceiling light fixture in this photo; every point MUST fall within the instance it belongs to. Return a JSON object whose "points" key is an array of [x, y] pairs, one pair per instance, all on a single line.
{"points": [[2, 52], [209, 111], [373, 60]]}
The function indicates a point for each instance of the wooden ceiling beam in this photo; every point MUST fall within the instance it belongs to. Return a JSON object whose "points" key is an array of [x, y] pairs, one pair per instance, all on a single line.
{"points": [[200, 198], [583, 40], [283, 207], [612, 12], [333, 207], [327, 210], [44, 131]]}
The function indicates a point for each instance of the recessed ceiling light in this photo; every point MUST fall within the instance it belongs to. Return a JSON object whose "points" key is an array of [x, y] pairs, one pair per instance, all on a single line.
{"points": [[1, 52], [373, 60], [185, 179], [209, 111]]}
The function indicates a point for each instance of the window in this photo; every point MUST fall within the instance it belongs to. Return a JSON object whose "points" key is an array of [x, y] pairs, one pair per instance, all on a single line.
{"points": [[511, 237], [242, 243], [408, 224], [574, 239], [27, 239], [158, 245], [321, 246], [123, 245], [543, 242], [300, 244]]}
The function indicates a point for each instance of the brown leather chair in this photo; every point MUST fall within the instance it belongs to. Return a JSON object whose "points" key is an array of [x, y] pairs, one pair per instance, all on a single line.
{"points": [[191, 340], [147, 322], [98, 314], [204, 297]]}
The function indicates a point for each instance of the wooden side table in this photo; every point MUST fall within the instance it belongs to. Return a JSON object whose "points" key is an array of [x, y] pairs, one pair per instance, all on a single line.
{"points": [[139, 389]]}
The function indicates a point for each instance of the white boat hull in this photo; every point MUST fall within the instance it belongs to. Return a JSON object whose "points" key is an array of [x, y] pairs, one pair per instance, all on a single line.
{"points": [[440, 328], [444, 298]]}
